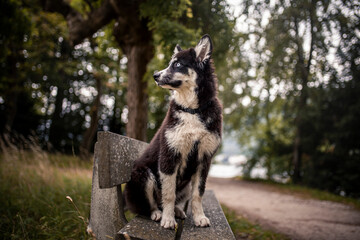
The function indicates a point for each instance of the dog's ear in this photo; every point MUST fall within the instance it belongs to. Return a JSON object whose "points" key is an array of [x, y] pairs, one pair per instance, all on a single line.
{"points": [[203, 49], [177, 49]]}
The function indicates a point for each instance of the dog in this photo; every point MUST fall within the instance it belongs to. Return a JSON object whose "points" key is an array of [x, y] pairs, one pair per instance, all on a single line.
{"points": [[174, 167]]}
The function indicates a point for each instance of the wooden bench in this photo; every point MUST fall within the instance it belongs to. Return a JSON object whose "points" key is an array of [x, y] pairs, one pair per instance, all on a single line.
{"points": [[113, 161]]}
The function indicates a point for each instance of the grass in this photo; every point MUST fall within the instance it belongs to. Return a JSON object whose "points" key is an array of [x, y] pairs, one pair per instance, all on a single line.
{"points": [[43, 196], [306, 192], [243, 229]]}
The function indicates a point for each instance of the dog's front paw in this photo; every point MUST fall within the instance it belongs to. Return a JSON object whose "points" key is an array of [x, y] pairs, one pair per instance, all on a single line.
{"points": [[201, 221], [156, 215], [168, 222]]}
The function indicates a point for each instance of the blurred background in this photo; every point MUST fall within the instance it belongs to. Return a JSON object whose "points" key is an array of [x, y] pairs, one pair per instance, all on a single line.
{"points": [[288, 76]]}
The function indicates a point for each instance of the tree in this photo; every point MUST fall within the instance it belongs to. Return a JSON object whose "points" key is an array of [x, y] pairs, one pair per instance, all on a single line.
{"points": [[62, 82], [88, 136], [335, 165], [15, 29], [291, 73]]}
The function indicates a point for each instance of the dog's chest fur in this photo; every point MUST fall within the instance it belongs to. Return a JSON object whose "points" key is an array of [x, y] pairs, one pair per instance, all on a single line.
{"points": [[190, 132]]}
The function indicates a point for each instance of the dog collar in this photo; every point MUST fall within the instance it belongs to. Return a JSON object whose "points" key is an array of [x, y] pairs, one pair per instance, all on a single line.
{"points": [[196, 110]]}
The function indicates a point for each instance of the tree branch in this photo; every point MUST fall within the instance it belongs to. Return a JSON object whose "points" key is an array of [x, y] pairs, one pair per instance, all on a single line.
{"points": [[312, 33], [89, 4], [80, 28], [300, 51]]}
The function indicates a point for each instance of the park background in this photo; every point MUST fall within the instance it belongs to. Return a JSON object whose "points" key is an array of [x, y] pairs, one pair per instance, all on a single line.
{"points": [[288, 76]]}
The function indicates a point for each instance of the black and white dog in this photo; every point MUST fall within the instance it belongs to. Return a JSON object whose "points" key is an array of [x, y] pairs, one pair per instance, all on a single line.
{"points": [[174, 168]]}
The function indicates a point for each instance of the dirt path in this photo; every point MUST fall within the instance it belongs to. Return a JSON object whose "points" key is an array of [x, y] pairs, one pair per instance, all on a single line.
{"points": [[293, 216]]}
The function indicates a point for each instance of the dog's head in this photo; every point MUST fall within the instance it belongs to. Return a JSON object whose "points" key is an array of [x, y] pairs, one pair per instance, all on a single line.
{"points": [[185, 65]]}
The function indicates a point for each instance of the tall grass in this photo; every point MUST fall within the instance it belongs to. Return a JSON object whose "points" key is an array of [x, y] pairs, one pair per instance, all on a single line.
{"points": [[34, 186]]}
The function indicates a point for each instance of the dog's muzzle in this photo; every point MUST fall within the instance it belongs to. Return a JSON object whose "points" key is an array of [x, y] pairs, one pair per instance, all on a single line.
{"points": [[156, 77]]}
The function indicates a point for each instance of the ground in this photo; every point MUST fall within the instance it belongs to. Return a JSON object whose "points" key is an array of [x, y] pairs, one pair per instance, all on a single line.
{"points": [[291, 215]]}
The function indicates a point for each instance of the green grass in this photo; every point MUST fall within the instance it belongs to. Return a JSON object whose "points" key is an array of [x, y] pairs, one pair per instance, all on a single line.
{"points": [[33, 196], [243, 229], [306, 192]]}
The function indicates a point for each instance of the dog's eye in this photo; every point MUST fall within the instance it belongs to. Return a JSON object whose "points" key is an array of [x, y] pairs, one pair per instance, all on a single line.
{"points": [[177, 64]]}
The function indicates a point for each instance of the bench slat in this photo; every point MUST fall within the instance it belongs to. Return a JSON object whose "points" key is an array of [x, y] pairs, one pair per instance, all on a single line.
{"points": [[116, 155], [105, 215], [219, 228], [146, 229]]}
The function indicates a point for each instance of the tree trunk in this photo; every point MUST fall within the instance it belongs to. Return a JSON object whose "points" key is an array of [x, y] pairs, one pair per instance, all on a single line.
{"points": [[11, 97], [89, 134], [269, 137], [301, 108], [135, 39], [11, 103], [137, 96], [296, 176], [56, 125]]}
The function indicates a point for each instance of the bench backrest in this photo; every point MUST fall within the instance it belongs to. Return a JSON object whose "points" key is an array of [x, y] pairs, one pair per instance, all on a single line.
{"points": [[116, 154], [113, 162]]}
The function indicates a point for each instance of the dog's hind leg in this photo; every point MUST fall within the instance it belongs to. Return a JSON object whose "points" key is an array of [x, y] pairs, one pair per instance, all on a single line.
{"points": [[135, 192], [150, 189]]}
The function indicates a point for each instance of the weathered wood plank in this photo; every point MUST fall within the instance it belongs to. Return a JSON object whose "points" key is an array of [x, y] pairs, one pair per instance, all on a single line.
{"points": [[113, 161], [116, 154], [146, 229], [105, 215], [219, 228]]}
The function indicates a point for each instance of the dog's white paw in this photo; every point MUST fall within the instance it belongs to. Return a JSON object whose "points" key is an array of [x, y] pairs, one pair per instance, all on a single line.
{"points": [[201, 221], [156, 215], [179, 213], [168, 222]]}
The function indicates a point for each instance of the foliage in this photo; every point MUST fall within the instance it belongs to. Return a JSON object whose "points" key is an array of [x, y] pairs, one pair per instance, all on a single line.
{"points": [[58, 84], [334, 165], [293, 94], [15, 28]]}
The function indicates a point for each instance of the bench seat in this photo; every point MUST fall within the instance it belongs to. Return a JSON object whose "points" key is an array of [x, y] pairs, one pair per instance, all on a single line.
{"points": [[145, 228]]}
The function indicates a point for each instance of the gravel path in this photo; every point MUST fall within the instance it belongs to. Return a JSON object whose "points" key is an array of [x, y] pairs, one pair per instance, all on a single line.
{"points": [[293, 216]]}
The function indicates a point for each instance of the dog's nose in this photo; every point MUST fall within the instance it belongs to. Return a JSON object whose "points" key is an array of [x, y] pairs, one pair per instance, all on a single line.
{"points": [[156, 76]]}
